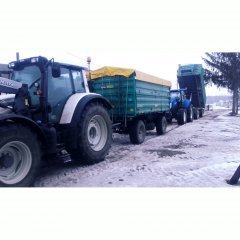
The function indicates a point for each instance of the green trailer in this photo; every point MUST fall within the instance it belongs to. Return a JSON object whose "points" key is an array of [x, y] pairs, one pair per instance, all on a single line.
{"points": [[140, 101]]}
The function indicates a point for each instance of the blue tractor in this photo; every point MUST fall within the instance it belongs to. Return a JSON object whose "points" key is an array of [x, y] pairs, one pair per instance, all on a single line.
{"points": [[181, 107]]}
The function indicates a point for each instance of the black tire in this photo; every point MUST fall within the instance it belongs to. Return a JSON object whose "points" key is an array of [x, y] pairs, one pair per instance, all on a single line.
{"points": [[201, 111], [137, 132], [181, 116], [195, 113], [190, 114], [169, 120], [161, 125], [20, 156], [95, 135]]}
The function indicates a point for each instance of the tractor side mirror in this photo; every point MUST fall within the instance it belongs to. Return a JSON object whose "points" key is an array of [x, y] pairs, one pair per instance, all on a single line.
{"points": [[56, 71]]}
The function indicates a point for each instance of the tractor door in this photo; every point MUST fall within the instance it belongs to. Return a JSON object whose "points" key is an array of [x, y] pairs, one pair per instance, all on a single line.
{"points": [[71, 81], [59, 90]]}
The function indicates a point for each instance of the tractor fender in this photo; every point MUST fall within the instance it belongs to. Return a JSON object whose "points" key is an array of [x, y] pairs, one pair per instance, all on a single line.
{"points": [[76, 104], [186, 103], [174, 103], [72, 114], [14, 118]]}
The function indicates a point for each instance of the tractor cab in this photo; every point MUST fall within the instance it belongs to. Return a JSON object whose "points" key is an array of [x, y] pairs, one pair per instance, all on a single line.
{"points": [[49, 84], [177, 98]]}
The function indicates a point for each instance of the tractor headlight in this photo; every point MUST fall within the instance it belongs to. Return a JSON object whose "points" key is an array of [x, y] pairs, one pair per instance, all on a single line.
{"points": [[11, 65]]}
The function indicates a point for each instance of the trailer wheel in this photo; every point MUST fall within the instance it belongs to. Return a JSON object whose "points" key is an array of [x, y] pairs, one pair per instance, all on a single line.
{"points": [[195, 113], [190, 114], [161, 125], [201, 111], [137, 132], [181, 116], [95, 135], [169, 120], [20, 156]]}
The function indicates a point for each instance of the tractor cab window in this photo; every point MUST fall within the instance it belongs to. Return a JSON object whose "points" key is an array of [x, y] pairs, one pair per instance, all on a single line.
{"points": [[59, 90], [78, 81], [175, 95], [29, 75]]}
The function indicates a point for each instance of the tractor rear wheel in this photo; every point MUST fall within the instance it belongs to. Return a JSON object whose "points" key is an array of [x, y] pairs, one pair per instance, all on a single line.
{"points": [[181, 116], [20, 156], [190, 114], [94, 135]]}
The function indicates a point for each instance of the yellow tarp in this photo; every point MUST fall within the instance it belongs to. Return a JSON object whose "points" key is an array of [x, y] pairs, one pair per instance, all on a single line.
{"points": [[111, 71], [152, 79], [126, 72]]}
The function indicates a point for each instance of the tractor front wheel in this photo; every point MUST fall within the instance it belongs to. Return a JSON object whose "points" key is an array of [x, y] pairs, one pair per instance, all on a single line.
{"points": [[20, 156], [190, 114]]}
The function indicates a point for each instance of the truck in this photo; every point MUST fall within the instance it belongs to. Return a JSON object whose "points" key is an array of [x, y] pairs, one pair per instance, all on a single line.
{"points": [[140, 101], [48, 109], [188, 102]]}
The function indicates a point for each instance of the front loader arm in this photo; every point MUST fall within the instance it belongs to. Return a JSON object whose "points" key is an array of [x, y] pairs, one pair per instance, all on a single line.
{"points": [[9, 86]]}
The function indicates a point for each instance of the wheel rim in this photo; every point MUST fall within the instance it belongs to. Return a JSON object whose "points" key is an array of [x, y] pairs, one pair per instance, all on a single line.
{"points": [[97, 133], [15, 162], [191, 114]]}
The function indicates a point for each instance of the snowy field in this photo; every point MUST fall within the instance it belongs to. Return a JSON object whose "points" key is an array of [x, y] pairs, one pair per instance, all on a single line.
{"points": [[200, 154]]}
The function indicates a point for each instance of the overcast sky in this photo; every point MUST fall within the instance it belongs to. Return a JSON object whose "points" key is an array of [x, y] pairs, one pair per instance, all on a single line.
{"points": [[153, 36]]}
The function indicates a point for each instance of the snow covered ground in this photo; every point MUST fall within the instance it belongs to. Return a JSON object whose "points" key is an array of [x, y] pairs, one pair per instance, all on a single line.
{"points": [[200, 154]]}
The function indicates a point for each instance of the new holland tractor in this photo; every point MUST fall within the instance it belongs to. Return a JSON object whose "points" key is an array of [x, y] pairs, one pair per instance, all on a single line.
{"points": [[47, 108], [181, 107]]}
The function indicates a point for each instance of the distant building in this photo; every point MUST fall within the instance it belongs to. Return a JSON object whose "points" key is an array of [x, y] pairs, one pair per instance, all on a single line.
{"points": [[4, 70]]}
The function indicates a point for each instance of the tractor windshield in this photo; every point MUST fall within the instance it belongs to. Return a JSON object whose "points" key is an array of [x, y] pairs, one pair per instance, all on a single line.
{"points": [[174, 95], [29, 75]]}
